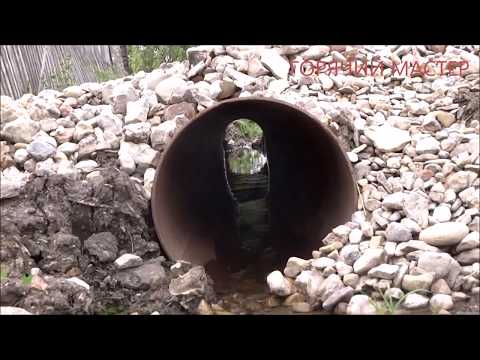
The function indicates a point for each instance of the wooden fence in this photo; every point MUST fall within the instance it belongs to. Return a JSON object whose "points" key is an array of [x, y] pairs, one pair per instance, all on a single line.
{"points": [[32, 68]]}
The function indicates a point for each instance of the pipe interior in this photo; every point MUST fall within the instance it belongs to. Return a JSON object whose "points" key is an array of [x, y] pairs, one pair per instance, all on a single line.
{"points": [[311, 183]]}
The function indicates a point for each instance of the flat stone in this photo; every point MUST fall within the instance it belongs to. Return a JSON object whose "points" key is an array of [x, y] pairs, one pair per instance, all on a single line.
{"points": [[342, 294], [389, 139], [274, 62], [384, 271], [295, 266], [368, 260], [416, 282], [444, 234]]}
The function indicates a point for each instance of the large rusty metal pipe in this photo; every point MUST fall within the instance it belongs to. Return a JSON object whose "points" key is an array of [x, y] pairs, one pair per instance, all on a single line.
{"points": [[312, 187]]}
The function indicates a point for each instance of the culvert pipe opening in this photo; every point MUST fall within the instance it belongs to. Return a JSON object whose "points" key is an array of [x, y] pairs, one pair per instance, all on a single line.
{"points": [[311, 187]]}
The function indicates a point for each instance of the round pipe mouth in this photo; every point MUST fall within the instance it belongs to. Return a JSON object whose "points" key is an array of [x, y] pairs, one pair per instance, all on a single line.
{"points": [[312, 186]]}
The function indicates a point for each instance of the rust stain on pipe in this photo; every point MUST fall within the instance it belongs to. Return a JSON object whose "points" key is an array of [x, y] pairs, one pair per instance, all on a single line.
{"points": [[312, 187]]}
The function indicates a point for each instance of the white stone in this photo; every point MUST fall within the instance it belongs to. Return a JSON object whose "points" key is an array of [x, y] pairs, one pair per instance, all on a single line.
{"points": [[86, 166], [278, 284], [274, 62], [360, 305], [389, 139], [444, 234], [441, 302], [384, 271], [79, 282], [322, 263], [171, 90], [442, 214], [127, 261], [295, 266], [415, 301], [162, 133], [369, 259], [12, 310]]}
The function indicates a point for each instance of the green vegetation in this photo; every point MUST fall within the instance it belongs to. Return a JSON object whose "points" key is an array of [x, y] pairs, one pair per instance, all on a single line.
{"points": [[3, 272], [62, 78], [390, 306], [112, 310], [149, 57], [110, 73], [26, 279], [248, 129]]}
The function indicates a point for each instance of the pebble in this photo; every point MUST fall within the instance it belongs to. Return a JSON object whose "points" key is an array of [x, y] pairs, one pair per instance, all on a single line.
{"points": [[444, 234]]}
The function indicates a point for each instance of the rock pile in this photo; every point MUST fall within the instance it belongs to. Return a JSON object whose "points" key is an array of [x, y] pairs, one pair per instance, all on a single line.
{"points": [[413, 142]]}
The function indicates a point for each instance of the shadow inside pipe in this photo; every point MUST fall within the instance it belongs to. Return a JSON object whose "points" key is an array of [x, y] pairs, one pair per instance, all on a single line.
{"points": [[311, 186]]}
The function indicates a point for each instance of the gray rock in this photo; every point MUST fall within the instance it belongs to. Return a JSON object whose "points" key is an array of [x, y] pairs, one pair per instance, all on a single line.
{"points": [[350, 253], [469, 257], [393, 201], [397, 232], [104, 246], [368, 260], [351, 279], [415, 301], [417, 282], [221, 89], [73, 91], [171, 90], [86, 166], [458, 181], [68, 148], [151, 274], [331, 284], [441, 264], [20, 130], [82, 130], [444, 234], [138, 132], [415, 206], [162, 133], [441, 287], [122, 94], [193, 282], [471, 241], [142, 154], [340, 295]]}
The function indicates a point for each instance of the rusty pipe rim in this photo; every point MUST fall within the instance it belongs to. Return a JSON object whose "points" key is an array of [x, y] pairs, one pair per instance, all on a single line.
{"points": [[156, 196]]}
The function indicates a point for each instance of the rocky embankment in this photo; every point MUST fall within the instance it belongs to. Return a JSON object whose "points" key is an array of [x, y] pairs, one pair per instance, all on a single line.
{"points": [[77, 169]]}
